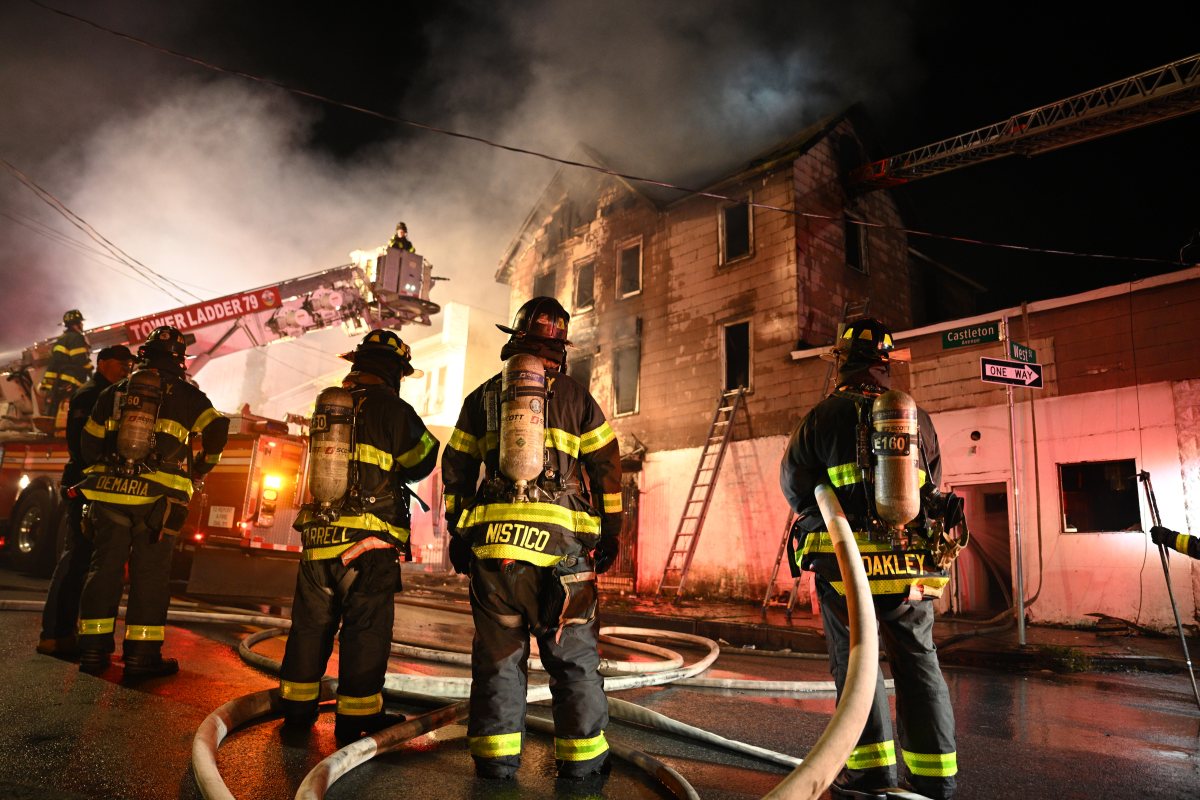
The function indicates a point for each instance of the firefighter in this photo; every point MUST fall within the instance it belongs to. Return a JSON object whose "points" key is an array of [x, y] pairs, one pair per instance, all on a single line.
{"points": [[140, 476], [1181, 542], [69, 363], [533, 564], [349, 572], [400, 240], [61, 612], [825, 448]]}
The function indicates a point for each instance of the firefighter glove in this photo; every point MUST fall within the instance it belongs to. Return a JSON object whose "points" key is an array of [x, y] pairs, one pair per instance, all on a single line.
{"points": [[1163, 536], [606, 553], [460, 554]]}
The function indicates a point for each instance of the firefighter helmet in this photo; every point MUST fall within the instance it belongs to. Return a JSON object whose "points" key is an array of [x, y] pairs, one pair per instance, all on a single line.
{"points": [[541, 319], [73, 317], [385, 343], [400, 226], [164, 341], [865, 340]]}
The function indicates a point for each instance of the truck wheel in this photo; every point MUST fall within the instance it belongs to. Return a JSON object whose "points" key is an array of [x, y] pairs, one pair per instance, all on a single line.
{"points": [[35, 530]]}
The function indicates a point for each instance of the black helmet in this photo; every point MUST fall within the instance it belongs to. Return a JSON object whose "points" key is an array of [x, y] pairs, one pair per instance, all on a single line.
{"points": [[400, 226], [164, 341], [540, 319], [865, 341], [72, 317], [385, 343]]}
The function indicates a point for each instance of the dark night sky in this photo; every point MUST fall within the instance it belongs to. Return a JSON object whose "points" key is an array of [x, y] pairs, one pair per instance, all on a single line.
{"points": [[224, 185]]}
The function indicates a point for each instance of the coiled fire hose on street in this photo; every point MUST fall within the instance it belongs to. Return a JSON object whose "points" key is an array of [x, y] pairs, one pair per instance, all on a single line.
{"points": [[808, 780]]}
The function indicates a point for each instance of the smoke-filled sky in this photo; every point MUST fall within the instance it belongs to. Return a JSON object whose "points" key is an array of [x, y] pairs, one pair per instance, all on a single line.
{"points": [[223, 184]]}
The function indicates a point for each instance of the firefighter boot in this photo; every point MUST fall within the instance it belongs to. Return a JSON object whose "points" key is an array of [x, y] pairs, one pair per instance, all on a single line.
{"points": [[64, 647], [94, 662], [144, 660], [351, 727], [861, 785]]}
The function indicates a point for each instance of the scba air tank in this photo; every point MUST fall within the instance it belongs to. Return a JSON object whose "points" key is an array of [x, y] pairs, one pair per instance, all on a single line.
{"points": [[330, 439], [894, 444], [522, 420], [139, 413]]}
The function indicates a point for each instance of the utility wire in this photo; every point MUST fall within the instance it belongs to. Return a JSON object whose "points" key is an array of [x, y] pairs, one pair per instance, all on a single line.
{"points": [[79, 222], [580, 164]]}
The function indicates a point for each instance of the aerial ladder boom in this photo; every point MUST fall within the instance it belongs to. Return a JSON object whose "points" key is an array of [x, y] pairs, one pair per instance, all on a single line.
{"points": [[1148, 97], [382, 288]]}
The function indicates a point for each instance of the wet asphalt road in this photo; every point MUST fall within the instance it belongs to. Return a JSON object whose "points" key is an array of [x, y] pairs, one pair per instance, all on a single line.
{"points": [[72, 736]]}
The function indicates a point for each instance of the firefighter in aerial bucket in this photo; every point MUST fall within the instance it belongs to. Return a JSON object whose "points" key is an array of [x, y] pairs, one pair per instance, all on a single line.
{"points": [[139, 477], [533, 536], [879, 452], [366, 446]]}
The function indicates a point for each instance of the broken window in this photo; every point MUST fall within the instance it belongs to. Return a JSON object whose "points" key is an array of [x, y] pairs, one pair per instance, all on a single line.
{"points": [[736, 232], [629, 270], [625, 374], [544, 285], [856, 243], [585, 285], [581, 370], [1099, 496], [736, 349]]}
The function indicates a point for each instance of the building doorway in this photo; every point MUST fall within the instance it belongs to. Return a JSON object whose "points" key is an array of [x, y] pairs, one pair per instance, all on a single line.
{"points": [[982, 574], [622, 575]]}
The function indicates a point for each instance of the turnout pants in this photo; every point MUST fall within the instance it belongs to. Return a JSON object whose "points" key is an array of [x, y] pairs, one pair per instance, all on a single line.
{"points": [[120, 534], [359, 598], [60, 616], [922, 699], [510, 600]]}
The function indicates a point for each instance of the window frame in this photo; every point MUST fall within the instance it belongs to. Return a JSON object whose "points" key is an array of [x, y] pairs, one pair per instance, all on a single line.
{"points": [[637, 392], [723, 258], [723, 347], [579, 265], [629, 244], [553, 274], [864, 265], [1118, 463]]}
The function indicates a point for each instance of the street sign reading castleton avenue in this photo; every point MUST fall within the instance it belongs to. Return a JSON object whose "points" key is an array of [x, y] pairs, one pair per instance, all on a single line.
{"points": [[1013, 373], [969, 335]]}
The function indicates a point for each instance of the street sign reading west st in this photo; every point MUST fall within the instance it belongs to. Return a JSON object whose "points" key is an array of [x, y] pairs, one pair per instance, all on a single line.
{"points": [[1012, 373], [1021, 353], [969, 335]]}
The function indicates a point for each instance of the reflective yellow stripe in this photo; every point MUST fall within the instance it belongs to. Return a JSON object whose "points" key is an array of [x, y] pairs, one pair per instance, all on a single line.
{"points": [[370, 522], [932, 584], [518, 553], [60, 348], [580, 749], [179, 483], [172, 428], [71, 380], [360, 706], [144, 633], [93, 428], [93, 626], [212, 458], [612, 503], [1181, 542], [77, 351], [323, 553], [204, 419], [931, 765], [823, 543], [111, 424], [464, 442], [299, 691], [921, 477], [844, 474], [557, 439], [498, 746], [451, 502], [417, 452], [366, 454], [869, 756], [577, 521], [595, 439]]}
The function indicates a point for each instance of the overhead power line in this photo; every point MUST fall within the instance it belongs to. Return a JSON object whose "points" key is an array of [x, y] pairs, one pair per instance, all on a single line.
{"points": [[79, 222], [571, 162]]}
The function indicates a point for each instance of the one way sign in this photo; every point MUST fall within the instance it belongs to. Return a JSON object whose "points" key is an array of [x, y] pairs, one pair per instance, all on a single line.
{"points": [[1013, 373]]}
